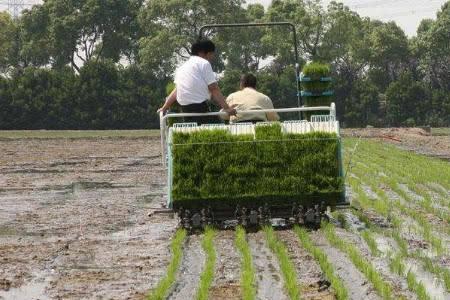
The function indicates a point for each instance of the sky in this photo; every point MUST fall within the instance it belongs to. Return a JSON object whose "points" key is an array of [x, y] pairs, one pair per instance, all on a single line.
{"points": [[406, 13]]}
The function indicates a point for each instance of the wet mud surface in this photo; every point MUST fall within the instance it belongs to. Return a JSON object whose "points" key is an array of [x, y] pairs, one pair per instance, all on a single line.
{"points": [[76, 222], [190, 270], [357, 285], [74, 218], [227, 275], [268, 275], [313, 284], [381, 262]]}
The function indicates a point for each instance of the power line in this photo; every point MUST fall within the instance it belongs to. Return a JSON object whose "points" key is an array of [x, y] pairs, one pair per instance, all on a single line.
{"points": [[412, 12], [390, 3]]}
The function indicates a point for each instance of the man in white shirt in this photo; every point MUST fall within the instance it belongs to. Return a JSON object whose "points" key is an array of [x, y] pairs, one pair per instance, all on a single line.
{"points": [[195, 82], [248, 98]]}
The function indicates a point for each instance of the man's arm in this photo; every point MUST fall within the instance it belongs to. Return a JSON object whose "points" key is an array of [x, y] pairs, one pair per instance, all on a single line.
{"points": [[271, 116], [220, 99], [170, 100]]}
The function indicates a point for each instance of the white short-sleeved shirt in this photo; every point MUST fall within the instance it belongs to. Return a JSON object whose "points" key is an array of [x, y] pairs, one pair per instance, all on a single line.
{"points": [[192, 80]]}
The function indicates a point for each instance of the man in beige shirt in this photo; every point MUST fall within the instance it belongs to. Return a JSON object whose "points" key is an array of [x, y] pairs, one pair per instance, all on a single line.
{"points": [[248, 98]]}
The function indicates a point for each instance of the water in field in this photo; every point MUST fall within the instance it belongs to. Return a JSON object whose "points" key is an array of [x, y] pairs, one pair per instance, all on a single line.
{"points": [[434, 286]]}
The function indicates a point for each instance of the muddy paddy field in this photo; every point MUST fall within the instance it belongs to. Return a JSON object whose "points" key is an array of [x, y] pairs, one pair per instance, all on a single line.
{"points": [[77, 221]]}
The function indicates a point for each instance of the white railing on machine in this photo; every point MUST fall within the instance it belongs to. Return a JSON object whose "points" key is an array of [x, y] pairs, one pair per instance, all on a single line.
{"points": [[315, 125]]}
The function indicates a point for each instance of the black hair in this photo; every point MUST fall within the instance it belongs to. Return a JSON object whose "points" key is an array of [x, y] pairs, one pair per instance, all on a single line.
{"points": [[204, 46], [248, 80]]}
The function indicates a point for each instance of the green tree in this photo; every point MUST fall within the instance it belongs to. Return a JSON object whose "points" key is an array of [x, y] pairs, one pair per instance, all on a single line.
{"points": [[406, 102], [362, 105], [40, 99], [434, 45], [76, 32], [140, 96], [389, 53], [98, 95], [8, 31], [171, 26]]}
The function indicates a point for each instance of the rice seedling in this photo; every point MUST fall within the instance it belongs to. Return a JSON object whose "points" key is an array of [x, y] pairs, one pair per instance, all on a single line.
{"points": [[382, 287], [247, 269], [219, 167], [427, 231], [435, 268], [420, 168], [397, 266], [370, 241], [316, 70], [286, 265], [315, 73], [340, 217], [396, 262], [326, 267], [161, 290], [417, 286], [395, 172], [207, 275]]}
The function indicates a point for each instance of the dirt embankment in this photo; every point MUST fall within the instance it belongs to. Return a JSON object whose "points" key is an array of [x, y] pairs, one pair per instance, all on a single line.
{"points": [[73, 218], [413, 139]]}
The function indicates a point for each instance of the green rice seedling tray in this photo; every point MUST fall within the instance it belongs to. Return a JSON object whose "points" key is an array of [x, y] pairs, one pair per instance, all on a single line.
{"points": [[219, 169]]}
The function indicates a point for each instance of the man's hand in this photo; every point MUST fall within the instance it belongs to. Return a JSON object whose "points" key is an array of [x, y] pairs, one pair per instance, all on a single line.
{"points": [[162, 109], [231, 110], [170, 100]]}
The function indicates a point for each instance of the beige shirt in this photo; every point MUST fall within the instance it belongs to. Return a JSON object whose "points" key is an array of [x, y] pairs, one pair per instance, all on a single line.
{"points": [[250, 99]]}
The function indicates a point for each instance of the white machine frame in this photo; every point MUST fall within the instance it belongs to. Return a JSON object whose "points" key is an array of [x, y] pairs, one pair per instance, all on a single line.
{"points": [[316, 123]]}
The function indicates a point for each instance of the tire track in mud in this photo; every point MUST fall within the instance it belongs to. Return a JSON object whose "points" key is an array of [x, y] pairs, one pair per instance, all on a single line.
{"points": [[357, 285], [226, 285], [268, 274], [192, 264], [309, 275]]}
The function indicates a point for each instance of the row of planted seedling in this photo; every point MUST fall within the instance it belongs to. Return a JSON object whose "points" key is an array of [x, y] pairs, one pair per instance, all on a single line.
{"points": [[366, 171], [408, 168], [433, 221], [288, 270]]}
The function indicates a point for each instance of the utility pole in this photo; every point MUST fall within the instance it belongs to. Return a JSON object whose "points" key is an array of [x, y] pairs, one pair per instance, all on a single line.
{"points": [[15, 7]]}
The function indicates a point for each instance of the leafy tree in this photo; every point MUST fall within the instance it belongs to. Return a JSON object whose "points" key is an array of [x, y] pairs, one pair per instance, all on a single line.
{"points": [[406, 102], [40, 99], [61, 62], [140, 96], [7, 33], [172, 25], [433, 40], [98, 95], [389, 53], [363, 105], [75, 32]]}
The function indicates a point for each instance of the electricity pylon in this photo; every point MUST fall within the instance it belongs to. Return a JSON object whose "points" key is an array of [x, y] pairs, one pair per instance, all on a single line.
{"points": [[15, 7]]}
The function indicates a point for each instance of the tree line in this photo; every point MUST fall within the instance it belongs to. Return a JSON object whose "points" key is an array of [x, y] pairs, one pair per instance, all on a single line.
{"points": [[98, 64]]}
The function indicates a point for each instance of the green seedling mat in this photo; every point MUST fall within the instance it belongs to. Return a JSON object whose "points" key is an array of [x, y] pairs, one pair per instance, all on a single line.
{"points": [[216, 168]]}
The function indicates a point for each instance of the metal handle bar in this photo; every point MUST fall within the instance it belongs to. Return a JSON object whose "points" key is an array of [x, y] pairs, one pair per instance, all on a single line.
{"points": [[231, 25], [277, 110], [270, 24]]}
